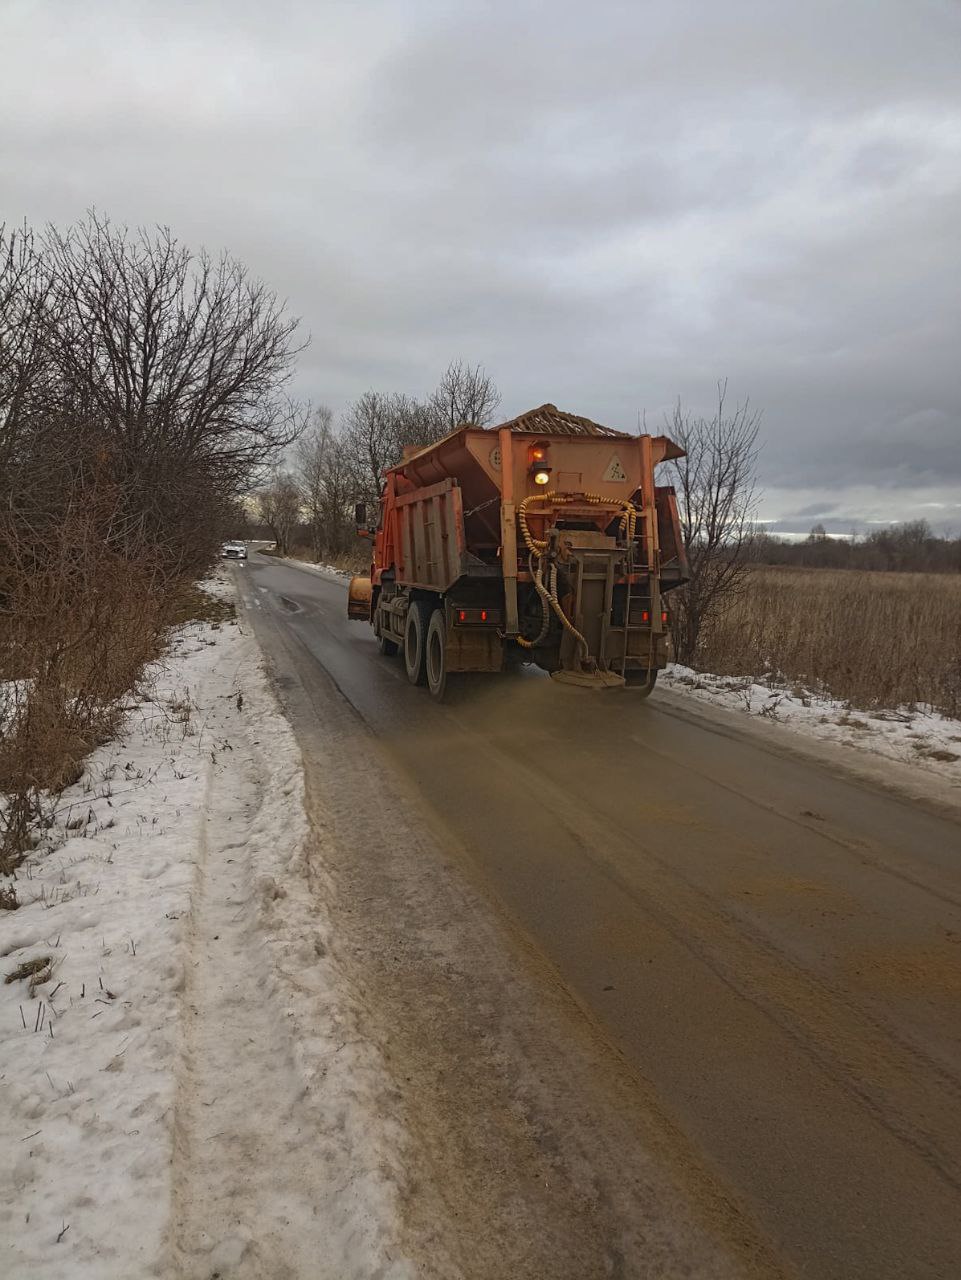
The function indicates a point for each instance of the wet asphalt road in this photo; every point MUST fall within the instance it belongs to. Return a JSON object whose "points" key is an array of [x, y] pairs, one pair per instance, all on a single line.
{"points": [[773, 945]]}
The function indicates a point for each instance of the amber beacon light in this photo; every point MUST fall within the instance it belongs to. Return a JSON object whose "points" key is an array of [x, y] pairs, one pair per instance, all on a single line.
{"points": [[538, 466]]}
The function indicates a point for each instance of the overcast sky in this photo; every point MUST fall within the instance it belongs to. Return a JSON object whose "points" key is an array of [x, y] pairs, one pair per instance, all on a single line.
{"points": [[608, 205]]}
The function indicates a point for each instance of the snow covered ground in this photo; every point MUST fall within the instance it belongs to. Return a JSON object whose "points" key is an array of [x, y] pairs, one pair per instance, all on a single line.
{"points": [[329, 571], [183, 1093], [911, 736]]}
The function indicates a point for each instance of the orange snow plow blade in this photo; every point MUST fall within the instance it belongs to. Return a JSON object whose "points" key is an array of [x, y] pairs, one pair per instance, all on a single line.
{"points": [[358, 599]]}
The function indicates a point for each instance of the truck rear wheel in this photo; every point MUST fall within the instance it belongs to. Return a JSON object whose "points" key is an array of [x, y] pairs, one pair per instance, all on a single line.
{"points": [[415, 641], [436, 654]]}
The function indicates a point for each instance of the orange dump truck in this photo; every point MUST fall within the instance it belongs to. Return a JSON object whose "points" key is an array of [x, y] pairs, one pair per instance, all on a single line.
{"points": [[543, 540]]}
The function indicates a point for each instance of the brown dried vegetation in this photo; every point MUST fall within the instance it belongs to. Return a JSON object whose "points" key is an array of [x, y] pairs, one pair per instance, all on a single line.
{"points": [[871, 639]]}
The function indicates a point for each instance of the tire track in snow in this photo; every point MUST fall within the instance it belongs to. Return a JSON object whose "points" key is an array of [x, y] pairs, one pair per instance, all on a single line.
{"points": [[232, 1136], [269, 1178]]}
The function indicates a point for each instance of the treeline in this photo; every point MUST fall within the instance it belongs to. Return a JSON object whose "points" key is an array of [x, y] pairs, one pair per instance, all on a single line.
{"points": [[909, 548], [142, 390], [339, 464]]}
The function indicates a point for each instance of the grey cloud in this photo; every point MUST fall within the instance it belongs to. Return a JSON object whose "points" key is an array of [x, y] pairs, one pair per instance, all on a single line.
{"points": [[822, 510], [942, 526]]}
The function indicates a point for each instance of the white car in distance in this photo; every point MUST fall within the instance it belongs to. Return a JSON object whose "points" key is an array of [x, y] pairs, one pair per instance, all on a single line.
{"points": [[234, 551]]}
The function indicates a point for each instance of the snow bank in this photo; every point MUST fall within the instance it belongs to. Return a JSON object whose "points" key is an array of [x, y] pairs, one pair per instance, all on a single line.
{"points": [[87, 1055], [183, 1090], [909, 735], [328, 571]]}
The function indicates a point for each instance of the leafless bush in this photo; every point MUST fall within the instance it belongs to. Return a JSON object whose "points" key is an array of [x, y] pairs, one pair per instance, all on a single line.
{"points": [[84, 613]]}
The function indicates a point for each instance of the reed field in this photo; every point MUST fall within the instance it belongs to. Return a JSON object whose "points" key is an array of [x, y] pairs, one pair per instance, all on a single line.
{"points": [[871, 639]]}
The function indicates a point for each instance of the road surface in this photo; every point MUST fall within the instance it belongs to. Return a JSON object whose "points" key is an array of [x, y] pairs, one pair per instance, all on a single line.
{"points": [[736, 970]]}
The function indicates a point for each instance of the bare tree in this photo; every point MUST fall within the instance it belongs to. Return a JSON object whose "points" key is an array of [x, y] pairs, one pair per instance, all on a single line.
{"points": [[465, 394], [370, 442], [26, 366], [378, 427], [142, 387], [326, 484], [278, 503], [414, 424], [174, 347], [177, 362], [716, 492]]}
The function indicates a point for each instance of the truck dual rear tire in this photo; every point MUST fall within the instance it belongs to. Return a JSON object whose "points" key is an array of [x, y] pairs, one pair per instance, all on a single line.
{"points": [[415, 641], [425, 647], [436, 654]]}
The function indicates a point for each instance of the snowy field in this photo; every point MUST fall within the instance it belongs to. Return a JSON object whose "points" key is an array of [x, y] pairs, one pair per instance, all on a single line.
{"points": [[176, 1044], [909, 735]]}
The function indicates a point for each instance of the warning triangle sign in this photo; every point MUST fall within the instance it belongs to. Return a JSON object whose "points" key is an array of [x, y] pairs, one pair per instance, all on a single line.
{"points": [[615, 473]]}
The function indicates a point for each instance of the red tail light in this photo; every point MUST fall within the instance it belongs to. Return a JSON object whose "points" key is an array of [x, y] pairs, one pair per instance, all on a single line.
{"points": [[474, 615], [645, 616], [664, 616]]}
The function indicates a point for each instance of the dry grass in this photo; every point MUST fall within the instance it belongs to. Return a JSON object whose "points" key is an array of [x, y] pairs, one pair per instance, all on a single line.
{"points": [[190, 603], [872, 639], [29, 969], [80, 621], [357, 560], [81, 627]]}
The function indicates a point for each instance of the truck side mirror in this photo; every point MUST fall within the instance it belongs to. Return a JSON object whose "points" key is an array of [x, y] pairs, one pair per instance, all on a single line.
{"points": [[360, 518]]}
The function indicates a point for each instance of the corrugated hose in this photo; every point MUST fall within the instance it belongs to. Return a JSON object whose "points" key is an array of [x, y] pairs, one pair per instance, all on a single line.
{"points": [[538, 549]]}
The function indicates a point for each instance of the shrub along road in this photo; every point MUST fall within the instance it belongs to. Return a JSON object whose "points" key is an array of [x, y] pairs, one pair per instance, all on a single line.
{"points": [[660, 994]]}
